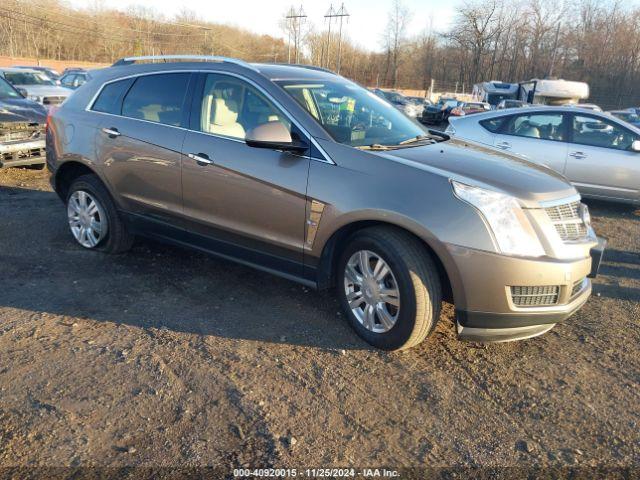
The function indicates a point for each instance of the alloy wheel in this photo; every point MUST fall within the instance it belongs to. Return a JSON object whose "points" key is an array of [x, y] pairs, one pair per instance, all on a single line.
{"points": [[87, 219]]}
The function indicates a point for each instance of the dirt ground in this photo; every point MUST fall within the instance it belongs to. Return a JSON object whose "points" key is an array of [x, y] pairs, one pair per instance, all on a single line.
{"points": [[167, 358]]}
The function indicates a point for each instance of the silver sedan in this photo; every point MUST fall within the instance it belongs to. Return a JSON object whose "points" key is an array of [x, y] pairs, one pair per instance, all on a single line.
{"points": [[598, 153]]}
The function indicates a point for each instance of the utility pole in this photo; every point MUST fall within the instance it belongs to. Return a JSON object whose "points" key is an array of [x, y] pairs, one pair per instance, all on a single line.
{"points": [[296, 19], [342, 13], [330, 15], [555, 52]]}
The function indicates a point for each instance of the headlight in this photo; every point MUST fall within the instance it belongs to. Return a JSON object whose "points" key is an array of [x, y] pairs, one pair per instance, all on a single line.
{"points": [[35, 98], [511, 228]]}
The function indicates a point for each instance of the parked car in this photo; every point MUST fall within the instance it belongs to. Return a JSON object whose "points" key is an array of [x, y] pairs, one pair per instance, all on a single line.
{"points": [[402, 103], [236, 159], [49, 72], [628, 116], [586, 106], [22, 121], [439, 113], [509, 103], [74, 79], [36, 86], [598, 153], [469, 108]]}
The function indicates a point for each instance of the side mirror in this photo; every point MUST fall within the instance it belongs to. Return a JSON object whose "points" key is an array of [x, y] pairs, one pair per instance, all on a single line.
{"points": [[23, 92], [274, 136], [635, 146]]}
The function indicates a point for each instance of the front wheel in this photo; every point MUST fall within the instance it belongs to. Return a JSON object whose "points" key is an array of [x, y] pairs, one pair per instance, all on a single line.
{"points": [[389, 287]]}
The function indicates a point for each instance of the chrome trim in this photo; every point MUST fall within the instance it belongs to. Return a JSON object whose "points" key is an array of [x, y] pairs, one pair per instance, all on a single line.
{"points": [[111, 132], [561, 201], [498, 335], [200, 159], [327, 158], [205, 58]]}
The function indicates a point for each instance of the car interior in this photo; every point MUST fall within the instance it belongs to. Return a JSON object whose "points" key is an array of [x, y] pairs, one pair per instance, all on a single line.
{"points": [[545, 127]]}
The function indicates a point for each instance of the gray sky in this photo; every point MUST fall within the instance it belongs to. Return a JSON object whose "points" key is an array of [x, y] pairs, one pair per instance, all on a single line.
{"points": [[365, 27]]}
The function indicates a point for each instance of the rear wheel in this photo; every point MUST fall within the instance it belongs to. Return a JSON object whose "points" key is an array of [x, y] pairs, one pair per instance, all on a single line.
{"points": [[389, 287], [93, 219]]}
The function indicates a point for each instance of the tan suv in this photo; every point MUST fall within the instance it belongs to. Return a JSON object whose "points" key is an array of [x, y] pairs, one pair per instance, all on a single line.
{"points": [[302, 173]]}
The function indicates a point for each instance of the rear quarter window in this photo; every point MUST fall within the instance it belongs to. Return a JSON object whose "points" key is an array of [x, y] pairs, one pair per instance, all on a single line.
{"points": [[157, 98], [493, 124], [110, 98]]}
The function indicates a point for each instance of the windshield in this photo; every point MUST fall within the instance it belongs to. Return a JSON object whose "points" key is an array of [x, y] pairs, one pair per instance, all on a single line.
{"points": [[496, 98], [352, 115], [7, 91], [28, 78]]}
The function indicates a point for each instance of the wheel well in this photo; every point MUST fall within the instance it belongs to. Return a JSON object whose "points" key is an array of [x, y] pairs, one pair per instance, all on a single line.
{"points": [[66, 174], [338, 241]]}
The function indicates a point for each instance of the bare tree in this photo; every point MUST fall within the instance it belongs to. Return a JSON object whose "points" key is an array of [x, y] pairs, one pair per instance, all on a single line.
{"points": [[395, 37]]}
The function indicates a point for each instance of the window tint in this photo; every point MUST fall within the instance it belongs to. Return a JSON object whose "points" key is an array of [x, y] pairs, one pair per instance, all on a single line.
{"points": [[232, 107], [545, 126], [109, 100], [67, 80], [157, 98], [597, 132], [493, 124]]}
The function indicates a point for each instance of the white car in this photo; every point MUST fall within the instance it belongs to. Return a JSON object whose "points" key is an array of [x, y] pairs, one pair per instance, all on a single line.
{"points": [[598, 153], [36, 86]]}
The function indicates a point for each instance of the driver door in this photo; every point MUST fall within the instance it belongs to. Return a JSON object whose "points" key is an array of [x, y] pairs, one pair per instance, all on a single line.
{"points": [[243, 201]]}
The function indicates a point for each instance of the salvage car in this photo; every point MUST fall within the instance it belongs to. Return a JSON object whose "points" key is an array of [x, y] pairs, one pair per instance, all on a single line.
{"points": [[597, 152], [36, 86], [628, 116], [49, 72], [239, 160], [74, 79], [402, 103], [22, 122], [439, 113]]}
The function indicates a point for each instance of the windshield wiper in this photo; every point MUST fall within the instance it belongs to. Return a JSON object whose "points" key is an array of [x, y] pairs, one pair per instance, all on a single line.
{"points": [[418, 138], [375, 146]]}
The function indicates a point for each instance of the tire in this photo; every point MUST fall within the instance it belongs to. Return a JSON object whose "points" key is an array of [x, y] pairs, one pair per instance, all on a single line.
{"points": [[116, 238], [414, 277]]}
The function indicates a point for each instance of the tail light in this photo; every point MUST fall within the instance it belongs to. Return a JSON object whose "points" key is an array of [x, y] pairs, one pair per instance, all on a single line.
{"points": [[50, 112]]}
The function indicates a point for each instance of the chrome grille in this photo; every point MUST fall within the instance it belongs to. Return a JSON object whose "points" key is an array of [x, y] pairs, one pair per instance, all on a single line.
{"points": [[567, 221], [537, 296]]}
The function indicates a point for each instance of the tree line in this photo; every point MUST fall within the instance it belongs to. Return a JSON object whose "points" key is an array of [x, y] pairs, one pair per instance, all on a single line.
{"points": [[596, 41]]}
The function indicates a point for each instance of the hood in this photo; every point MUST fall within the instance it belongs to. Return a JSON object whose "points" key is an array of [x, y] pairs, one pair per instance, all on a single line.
{"points": [[46, 90], [477, 165], [26, 110]]}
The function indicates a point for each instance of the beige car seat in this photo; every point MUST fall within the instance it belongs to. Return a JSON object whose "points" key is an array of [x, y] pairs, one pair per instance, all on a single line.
{"points": [[222, 118]]}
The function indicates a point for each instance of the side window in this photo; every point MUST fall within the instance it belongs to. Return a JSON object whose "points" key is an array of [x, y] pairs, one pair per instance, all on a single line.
{"points": [[67, 80], [109, 100], [231, 107], [597, 132], [493, 124], [545, 126], [157, 98]]}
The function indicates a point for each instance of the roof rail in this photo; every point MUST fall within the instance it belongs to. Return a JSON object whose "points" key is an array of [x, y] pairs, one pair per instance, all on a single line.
{"points": [[200, 58], [309, 67]]}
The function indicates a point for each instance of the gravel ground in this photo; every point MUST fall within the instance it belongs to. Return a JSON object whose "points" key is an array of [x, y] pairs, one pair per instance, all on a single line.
{"points": [[167, 358]]}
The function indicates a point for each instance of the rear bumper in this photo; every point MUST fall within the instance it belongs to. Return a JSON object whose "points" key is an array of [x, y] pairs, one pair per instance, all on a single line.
{"points": [[489, 309]]}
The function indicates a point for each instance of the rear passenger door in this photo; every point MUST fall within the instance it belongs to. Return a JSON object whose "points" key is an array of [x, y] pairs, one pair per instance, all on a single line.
{"points": [[600, 161], [140, 140], [538, 137], [245, 202]]}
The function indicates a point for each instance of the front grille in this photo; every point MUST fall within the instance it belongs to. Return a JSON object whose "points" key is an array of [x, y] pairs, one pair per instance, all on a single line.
{"points": [[19, 131], [567, 221], [53, 100], [538, 296]]}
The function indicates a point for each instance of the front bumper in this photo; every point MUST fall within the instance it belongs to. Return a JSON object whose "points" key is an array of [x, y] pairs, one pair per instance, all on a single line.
{"points": [[17, 154], [487, 308]]}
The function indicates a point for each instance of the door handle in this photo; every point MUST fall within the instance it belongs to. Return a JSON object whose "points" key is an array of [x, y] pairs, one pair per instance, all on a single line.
{"points": [[112, 132], [578, 155], [201, 159], [503, 145]]}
